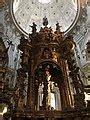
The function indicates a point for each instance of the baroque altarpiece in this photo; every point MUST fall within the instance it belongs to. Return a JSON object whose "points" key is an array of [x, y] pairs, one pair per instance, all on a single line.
{"points": [[54, 89]]}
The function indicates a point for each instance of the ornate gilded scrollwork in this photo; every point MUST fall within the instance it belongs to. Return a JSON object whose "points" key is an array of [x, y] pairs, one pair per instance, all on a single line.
{"points": [[44, 59], [67, 52]]}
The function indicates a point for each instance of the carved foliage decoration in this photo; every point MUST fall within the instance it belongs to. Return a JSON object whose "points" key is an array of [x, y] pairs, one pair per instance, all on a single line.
{"points": [[2, 3]]}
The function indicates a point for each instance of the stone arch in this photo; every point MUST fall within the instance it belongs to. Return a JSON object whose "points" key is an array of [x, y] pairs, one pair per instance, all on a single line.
{"points": [[55, 81]]}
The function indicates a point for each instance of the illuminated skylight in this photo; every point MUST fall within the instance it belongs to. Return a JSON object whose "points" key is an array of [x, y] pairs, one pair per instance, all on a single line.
{"points": [[44, 1]]}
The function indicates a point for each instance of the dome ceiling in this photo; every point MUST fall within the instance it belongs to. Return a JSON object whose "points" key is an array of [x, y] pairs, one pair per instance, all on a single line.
{"points": [[25, 12]]}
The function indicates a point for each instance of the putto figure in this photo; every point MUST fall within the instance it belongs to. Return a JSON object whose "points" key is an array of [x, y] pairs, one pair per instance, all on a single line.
{"points": [[45, 21]]}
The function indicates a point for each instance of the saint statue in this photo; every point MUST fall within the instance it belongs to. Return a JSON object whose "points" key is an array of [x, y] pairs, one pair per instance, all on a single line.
{"points": [[45, 21], [49, 89], [58, 27], [33, 27]]}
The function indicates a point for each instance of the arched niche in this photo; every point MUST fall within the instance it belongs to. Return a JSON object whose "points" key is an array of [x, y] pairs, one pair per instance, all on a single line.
{"points": [[48, 79]]}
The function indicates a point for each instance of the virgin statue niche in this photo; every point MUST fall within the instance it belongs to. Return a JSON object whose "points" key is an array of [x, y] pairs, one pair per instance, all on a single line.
{"points": [[49, 94]]}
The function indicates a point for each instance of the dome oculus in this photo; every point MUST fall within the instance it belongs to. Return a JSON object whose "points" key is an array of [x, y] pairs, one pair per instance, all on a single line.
{"points": [[44, 1]]}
